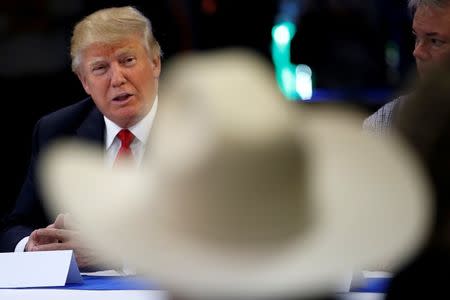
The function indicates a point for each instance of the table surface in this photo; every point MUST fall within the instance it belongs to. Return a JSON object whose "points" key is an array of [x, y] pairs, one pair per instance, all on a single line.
{"points": [[137, 288]]}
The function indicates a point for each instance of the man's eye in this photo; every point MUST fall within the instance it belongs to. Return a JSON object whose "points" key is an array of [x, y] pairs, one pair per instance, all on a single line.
{"points": [[437, 42], [129, 61], [99, 69]]}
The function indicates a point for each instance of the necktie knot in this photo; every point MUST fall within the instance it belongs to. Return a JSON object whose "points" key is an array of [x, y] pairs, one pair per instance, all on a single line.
{"points": [[126, 138]]}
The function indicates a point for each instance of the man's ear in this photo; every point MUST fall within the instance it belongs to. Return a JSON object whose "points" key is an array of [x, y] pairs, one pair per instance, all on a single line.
{"points": [[156, 66], [83, 81]]}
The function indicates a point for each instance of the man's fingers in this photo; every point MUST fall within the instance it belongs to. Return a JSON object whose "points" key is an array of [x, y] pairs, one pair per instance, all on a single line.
{"points": [[53, 233], [52, 246], [33, 235], [31, 241]]}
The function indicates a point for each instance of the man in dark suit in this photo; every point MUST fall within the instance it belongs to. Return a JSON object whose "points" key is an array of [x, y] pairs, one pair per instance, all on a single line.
{"points": [[117, 60]]}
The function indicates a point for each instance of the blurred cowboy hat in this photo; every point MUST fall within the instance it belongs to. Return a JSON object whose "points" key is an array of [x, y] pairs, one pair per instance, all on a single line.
{"points": [[242, 193]]}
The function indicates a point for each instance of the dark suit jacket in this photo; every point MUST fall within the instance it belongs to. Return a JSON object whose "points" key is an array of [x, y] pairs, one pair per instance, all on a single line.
{"points": [[81, 120]]}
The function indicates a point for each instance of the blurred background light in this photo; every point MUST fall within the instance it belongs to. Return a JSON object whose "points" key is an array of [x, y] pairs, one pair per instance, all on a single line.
{"points": [[295, 83], [303, 82]]}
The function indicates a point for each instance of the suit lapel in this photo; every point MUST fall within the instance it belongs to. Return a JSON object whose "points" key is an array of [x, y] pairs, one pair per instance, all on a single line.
{"points": [[93, 127]]}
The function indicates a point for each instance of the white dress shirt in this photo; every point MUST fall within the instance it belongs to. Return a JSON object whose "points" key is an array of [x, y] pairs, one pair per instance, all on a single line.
{"points": [[141, 132]]}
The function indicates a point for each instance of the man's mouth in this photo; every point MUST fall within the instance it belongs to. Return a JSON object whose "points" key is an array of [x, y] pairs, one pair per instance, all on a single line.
{"points": [[122, 97]]}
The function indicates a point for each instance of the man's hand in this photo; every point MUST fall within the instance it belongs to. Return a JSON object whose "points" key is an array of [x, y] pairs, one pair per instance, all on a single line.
{"points": [[64, 239], [60, 236], [35, 239]]}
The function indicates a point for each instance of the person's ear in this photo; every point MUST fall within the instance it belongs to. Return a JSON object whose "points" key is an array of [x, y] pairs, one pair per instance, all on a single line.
{"points": [[156, 66], [83, 81]]}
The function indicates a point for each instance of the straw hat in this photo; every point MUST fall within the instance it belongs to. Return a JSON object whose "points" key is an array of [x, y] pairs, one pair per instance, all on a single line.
{"points": [[242, 193]]}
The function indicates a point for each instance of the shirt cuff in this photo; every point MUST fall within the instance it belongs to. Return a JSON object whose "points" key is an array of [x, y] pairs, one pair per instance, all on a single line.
{"points": [[20, 247]]}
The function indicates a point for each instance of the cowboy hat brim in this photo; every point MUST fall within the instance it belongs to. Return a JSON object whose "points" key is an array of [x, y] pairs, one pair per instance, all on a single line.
{"points": [[368, 199]]}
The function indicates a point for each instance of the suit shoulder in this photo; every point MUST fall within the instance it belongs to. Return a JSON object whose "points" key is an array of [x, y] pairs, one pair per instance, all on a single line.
{"points": [[69, 117]]}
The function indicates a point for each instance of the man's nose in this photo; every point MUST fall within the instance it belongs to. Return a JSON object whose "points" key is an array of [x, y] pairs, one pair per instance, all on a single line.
{"points": [[421, 51], [117, 76]]}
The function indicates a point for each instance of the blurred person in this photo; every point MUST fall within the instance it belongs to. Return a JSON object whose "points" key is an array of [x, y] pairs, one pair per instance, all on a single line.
{"points": [[424, 121], [118, 62], [431, 28]]}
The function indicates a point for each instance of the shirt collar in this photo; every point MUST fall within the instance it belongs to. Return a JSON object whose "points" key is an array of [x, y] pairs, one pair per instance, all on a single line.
{"points": [[140, 130]]}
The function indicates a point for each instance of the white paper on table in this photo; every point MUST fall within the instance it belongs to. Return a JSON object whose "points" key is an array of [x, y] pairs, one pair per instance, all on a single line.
{"points": [[38, 269]]}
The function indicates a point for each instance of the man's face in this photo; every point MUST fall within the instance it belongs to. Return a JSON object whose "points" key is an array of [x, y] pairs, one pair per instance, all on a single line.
{"points": [[431, 26], [121, 78]]}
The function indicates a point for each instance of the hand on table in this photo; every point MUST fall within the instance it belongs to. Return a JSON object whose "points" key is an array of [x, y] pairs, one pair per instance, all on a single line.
{"points": [[61, 236]]}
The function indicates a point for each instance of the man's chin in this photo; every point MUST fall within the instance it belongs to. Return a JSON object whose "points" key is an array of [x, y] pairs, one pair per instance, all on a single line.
{"points": [[423, 71], [128, 121]]}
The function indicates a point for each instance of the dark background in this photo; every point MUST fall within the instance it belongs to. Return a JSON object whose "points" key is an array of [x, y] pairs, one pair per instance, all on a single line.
{"points": [[343, 41]]}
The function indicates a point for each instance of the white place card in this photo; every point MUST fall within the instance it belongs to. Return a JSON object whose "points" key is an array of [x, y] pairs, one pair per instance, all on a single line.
{"points": [[38, 269]]}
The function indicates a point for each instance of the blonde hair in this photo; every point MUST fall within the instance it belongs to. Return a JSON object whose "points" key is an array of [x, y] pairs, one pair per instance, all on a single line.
{"points": [[108, 26]]}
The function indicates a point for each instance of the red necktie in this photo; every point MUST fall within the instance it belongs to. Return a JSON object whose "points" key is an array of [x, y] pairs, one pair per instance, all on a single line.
{"points": [[126, 138]]}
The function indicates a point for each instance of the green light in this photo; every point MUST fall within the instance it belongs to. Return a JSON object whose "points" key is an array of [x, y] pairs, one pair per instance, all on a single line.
{"points": [[283, 33], [294, 81], [287, 80]]}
